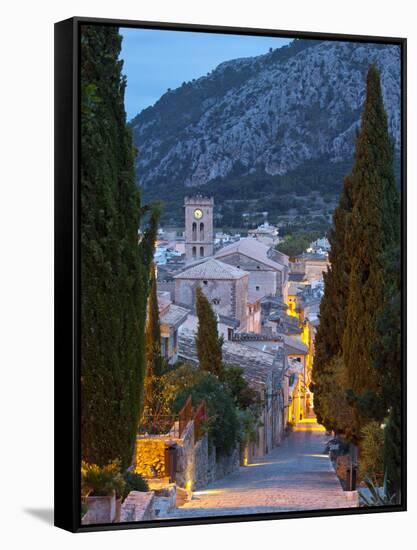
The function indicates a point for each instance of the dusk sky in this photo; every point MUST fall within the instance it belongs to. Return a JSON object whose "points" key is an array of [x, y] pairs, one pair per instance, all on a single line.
{"points": [[157, 60]]}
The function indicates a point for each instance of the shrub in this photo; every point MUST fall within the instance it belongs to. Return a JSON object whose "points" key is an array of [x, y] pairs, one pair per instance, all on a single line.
{"points": [[376, 495], [101, 480], [371, 463], [222, 424], [248, 423], [243, 395], [134, 482]]}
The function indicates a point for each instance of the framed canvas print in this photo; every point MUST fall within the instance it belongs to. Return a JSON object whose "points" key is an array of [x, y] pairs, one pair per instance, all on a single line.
{"points": [[230, 274]]}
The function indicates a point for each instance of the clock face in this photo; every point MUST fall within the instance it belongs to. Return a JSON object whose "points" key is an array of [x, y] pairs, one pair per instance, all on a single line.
{"points": [[198, 213]]}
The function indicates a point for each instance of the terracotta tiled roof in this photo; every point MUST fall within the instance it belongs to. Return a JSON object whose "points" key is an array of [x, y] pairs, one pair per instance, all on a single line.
{"points": [[212, 269]]}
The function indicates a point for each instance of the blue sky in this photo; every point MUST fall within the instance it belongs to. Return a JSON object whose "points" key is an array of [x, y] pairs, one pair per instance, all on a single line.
{"points": [[157, 60]]}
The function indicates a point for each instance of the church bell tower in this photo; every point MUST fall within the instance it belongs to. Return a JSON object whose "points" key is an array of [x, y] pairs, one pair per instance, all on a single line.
{"points": [[198, 227]]}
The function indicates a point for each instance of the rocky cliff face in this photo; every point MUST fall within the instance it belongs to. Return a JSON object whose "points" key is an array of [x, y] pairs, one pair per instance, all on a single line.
{"points": [[269, 114]]}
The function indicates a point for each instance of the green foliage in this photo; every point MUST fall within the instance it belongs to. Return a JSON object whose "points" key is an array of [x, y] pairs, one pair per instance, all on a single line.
{"points": [[373, 229], [101, 480], [386, 350], [295, 244], [279, 195], [330, 403], [209, 343], [155, 363], [371, 462], [357, 358], [243, 395], [392, 453], [114, 267], [378, 496], [248, 422], [134, 482], [223, 424]]}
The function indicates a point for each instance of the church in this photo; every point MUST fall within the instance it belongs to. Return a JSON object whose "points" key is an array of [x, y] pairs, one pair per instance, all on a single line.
{"points": [[235, 278]]}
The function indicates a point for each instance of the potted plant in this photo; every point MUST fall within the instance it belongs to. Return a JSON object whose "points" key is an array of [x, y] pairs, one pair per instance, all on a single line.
{"points": [[98, 485]]}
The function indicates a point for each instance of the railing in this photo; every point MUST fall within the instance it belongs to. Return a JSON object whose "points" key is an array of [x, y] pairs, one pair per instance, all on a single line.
{"points": [[172, 425], [185, 415], [199, 418]]}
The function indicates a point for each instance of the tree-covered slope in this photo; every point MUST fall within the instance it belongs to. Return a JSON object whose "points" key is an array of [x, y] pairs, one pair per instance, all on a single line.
{"points": [[266, 117]]}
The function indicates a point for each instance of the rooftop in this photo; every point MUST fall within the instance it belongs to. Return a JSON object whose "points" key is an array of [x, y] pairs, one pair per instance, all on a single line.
{"points": [[174, 315], [313, 256], [252, 248], [294, 289], [254, 297], [294, 345], [296, 277], [211, 269], [257, 365]]}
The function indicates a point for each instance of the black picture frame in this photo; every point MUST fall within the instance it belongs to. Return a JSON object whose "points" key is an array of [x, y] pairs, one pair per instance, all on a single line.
{"points": [[67, 269]]}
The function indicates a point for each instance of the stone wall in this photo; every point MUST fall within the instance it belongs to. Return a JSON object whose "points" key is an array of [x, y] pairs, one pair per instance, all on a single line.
{"points": [[226, 464], [219, 290], [138, 506], [198, 464], [267, 279], [185, 458], [201, 463], [150, 457]]}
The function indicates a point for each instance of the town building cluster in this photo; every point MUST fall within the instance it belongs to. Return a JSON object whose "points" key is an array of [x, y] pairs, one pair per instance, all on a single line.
{"points": [[267, 309]]}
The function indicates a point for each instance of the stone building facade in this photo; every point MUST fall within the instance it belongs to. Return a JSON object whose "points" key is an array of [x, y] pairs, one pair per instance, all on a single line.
{"points": [[199, 239], [171, 317], [313, 265], [267, 277], [225, 286]]}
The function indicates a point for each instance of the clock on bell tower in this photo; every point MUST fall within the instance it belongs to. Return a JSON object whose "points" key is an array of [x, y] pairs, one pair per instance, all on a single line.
{"points": [[198, 227]]}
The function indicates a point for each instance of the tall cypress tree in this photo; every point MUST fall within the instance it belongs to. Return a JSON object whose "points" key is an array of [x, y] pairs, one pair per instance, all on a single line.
{"points": [[114, 266], [153, 330], [154, 360], [373, 228], [327, 384], [386, 353], [208, 342]]}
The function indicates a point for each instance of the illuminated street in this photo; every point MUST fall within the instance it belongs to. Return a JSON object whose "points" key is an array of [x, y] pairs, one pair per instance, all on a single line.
{"points": [[295, 476]]}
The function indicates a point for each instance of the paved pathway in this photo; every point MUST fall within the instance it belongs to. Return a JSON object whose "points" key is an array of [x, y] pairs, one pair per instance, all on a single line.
{"points": [[295, 476]]}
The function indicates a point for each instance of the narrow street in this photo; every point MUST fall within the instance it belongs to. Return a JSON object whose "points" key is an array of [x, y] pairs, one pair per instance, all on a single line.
{"points": [[295, 476]]}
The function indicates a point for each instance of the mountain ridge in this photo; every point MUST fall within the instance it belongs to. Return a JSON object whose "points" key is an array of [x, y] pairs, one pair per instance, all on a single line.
{"points": [[265, 115]]}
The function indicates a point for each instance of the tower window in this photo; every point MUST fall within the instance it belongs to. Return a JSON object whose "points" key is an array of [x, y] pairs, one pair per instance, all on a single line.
{"points": [[205, 282], [194, 237], [257, 287], [201, 231], [201, 251], [194, 251]]}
